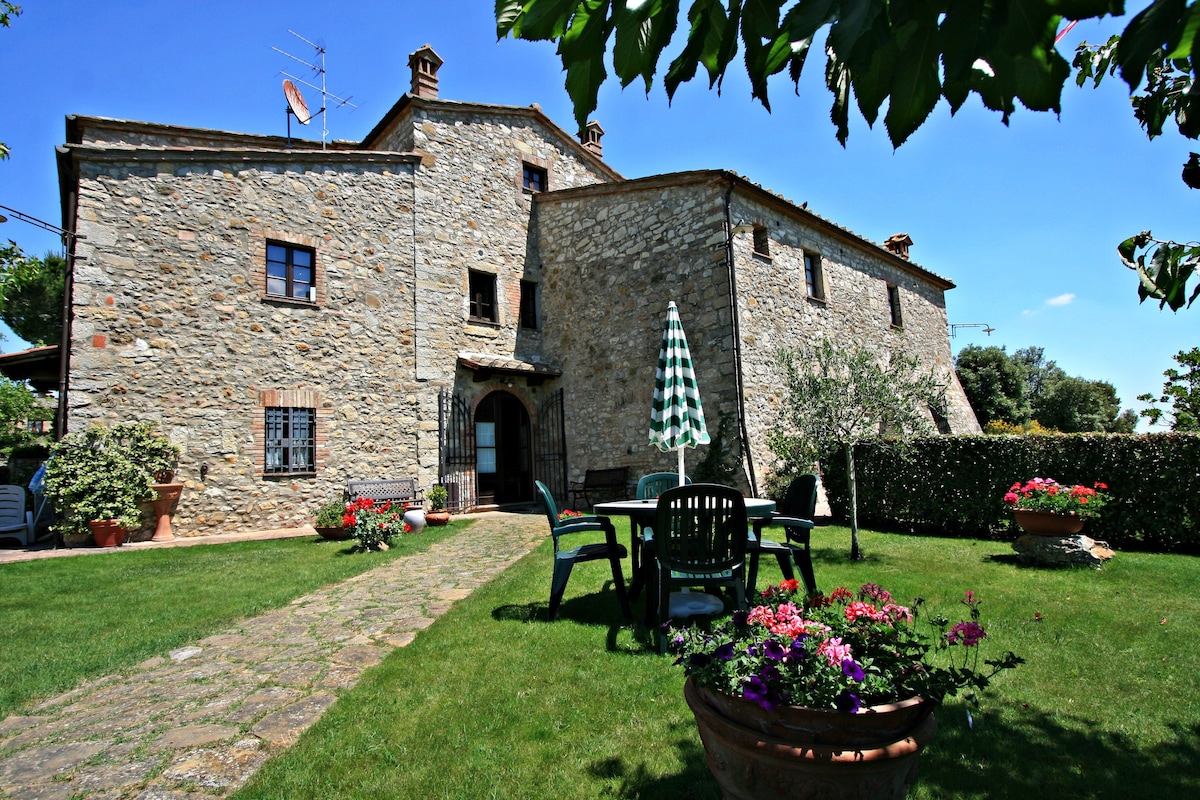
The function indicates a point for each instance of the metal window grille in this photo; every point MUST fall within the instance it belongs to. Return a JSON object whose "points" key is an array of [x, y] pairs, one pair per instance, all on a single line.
{"points": [[289, 271], [290, 440]]}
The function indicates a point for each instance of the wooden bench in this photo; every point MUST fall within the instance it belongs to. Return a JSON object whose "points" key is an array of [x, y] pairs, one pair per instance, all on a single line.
{"points": [[601, 483], [397, 490]]}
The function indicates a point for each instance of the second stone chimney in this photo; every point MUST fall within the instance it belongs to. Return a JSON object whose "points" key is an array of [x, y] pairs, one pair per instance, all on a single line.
{"points": [[424, 65], [899, 243], [590, 136]]}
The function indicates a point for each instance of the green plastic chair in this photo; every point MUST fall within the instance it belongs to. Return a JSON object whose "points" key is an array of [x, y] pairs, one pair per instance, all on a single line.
{"points": [[566, 559], [648, 487], [698, 539], [795, 516]]}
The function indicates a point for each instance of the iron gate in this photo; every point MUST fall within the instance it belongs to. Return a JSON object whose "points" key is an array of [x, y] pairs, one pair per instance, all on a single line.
{"points": [[456, 442]]}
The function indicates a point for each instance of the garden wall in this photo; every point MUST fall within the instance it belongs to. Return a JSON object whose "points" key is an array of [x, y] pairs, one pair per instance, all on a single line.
{"points": [[953, 485]]}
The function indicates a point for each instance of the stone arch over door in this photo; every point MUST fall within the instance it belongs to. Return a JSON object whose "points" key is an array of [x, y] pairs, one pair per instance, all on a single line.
{"points": [[504, 457]]}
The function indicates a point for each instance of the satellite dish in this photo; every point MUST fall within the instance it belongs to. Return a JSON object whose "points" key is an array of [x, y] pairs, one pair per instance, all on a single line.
{"points": [[296, 103]]}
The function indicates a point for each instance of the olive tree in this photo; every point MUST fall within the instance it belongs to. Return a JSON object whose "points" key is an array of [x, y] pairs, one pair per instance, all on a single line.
{"points": [[838, 396]]}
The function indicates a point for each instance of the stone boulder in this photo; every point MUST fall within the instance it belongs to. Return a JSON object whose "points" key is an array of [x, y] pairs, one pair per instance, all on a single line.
{"points": [[1062, 551]]}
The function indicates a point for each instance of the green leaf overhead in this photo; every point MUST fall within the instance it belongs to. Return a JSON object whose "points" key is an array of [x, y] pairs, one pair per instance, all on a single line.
{"points": [[642, 33]]}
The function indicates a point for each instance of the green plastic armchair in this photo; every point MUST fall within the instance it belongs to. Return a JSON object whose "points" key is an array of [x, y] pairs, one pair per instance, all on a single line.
{"points": [[795, 516], [648, 487], [698, 539], [566, 559]]}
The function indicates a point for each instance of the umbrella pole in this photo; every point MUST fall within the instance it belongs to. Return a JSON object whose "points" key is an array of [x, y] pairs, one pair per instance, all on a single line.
{"points": [[682, 474]]}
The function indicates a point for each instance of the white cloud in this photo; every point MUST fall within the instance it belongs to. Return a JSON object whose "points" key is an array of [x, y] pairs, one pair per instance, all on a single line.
{"points": [[1061, 300]]}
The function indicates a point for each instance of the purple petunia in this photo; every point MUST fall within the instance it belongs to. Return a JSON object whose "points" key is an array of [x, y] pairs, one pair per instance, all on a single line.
{"points": [[848, 702], [773, 650], [724, 652], [852, 670]]}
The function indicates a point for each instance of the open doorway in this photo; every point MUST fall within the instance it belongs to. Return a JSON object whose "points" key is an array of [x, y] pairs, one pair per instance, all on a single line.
{"points": [[503, 440]]}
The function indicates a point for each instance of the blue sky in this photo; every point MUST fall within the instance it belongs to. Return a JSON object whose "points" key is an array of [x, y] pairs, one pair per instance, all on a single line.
{"points": [[1025, 219]]}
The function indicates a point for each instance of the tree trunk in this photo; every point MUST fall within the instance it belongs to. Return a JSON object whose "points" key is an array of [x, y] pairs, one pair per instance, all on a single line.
{"points": [[855, 552]]}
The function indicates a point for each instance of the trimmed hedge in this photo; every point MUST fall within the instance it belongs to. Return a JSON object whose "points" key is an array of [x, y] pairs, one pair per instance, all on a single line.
{"points": [[953, 485]]}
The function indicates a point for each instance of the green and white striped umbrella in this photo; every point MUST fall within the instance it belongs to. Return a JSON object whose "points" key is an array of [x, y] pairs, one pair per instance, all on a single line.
{"points": [[677, 418]]}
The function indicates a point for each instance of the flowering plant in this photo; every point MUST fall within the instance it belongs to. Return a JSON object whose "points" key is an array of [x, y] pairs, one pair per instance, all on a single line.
{"points": [[567, 514], [1046, 494], [373, 526], [844, 651]]}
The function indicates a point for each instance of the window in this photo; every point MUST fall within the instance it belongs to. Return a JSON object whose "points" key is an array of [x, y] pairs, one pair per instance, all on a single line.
{"points": [[894, 305], [812, 276], [529, 316], [482, 288], [762, 241], [534, 179], [290, 271], [290, 440]]}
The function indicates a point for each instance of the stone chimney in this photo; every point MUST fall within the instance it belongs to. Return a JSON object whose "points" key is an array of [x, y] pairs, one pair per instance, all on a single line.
{"points": [[899, 244], [590, 136], [424, 65]]}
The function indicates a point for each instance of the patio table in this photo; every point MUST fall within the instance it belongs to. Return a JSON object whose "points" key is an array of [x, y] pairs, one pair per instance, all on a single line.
{"points": [[643, 511]]}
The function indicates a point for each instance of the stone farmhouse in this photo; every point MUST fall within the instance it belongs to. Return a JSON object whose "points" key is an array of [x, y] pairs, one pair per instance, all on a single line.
{"points": [[469, 296]]}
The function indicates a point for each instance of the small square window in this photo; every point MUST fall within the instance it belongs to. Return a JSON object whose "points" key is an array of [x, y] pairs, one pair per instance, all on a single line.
{"points": [[894, 305], [482, 288], [813, 278], [289, 444], [529, 315], [762, 241], [290, 271], [534, 179]]}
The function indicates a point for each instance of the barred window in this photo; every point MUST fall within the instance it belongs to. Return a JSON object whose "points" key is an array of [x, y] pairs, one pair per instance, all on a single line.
{"points": [[290, 440]]}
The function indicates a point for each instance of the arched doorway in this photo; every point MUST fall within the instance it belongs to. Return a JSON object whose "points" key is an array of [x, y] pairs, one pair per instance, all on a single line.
{"points": [[503, 465]]}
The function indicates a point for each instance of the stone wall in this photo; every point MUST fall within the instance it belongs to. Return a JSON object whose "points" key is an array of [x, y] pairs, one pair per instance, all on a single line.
{"points": [[171, 323], [614, 256]]}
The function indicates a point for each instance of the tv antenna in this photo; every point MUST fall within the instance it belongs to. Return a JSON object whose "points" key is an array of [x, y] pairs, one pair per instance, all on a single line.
{"points": [[296, 105]]}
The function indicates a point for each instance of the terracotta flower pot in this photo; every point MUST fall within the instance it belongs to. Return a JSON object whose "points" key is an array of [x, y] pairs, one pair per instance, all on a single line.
{"points": [[107, 532], [1048, 523], [337, 534], [806, 754], [439, 517]]}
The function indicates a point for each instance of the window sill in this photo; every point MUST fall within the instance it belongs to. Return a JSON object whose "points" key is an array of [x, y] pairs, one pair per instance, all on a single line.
{"points": [[820, 301], [288, 475], [762, 256], [487, 323], [288, 301]]}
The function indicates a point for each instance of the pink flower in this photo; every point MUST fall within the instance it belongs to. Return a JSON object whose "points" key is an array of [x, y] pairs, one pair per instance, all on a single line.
{"points": [[834, 651], [859, 609], [967, 634]]}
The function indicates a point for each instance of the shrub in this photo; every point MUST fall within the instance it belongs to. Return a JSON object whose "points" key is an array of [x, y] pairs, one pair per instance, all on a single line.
{"points": [[953, 484]]}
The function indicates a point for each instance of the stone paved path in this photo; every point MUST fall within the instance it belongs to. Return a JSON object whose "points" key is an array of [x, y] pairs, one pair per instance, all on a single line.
{"points": [[198, 722]]}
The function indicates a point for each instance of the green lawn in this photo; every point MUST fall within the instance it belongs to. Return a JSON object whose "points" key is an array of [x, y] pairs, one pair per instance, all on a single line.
{"points": [[66, 620], [492, 701]]}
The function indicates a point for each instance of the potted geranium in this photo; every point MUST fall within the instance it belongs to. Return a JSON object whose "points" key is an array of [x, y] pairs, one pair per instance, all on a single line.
{"points": [[834, 691], [1044, 506], [98, 478], [374, 524], [329, 521], [437, 513]]}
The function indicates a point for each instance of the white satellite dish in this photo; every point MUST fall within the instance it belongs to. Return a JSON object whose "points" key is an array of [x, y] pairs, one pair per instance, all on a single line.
{"points": [[296, 103]]}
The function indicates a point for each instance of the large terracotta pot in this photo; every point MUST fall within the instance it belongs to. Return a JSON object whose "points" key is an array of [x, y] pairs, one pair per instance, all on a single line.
{"points": [[1047, 523], [337, 534], [107, 532], [439, 517], [810, 754]]}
